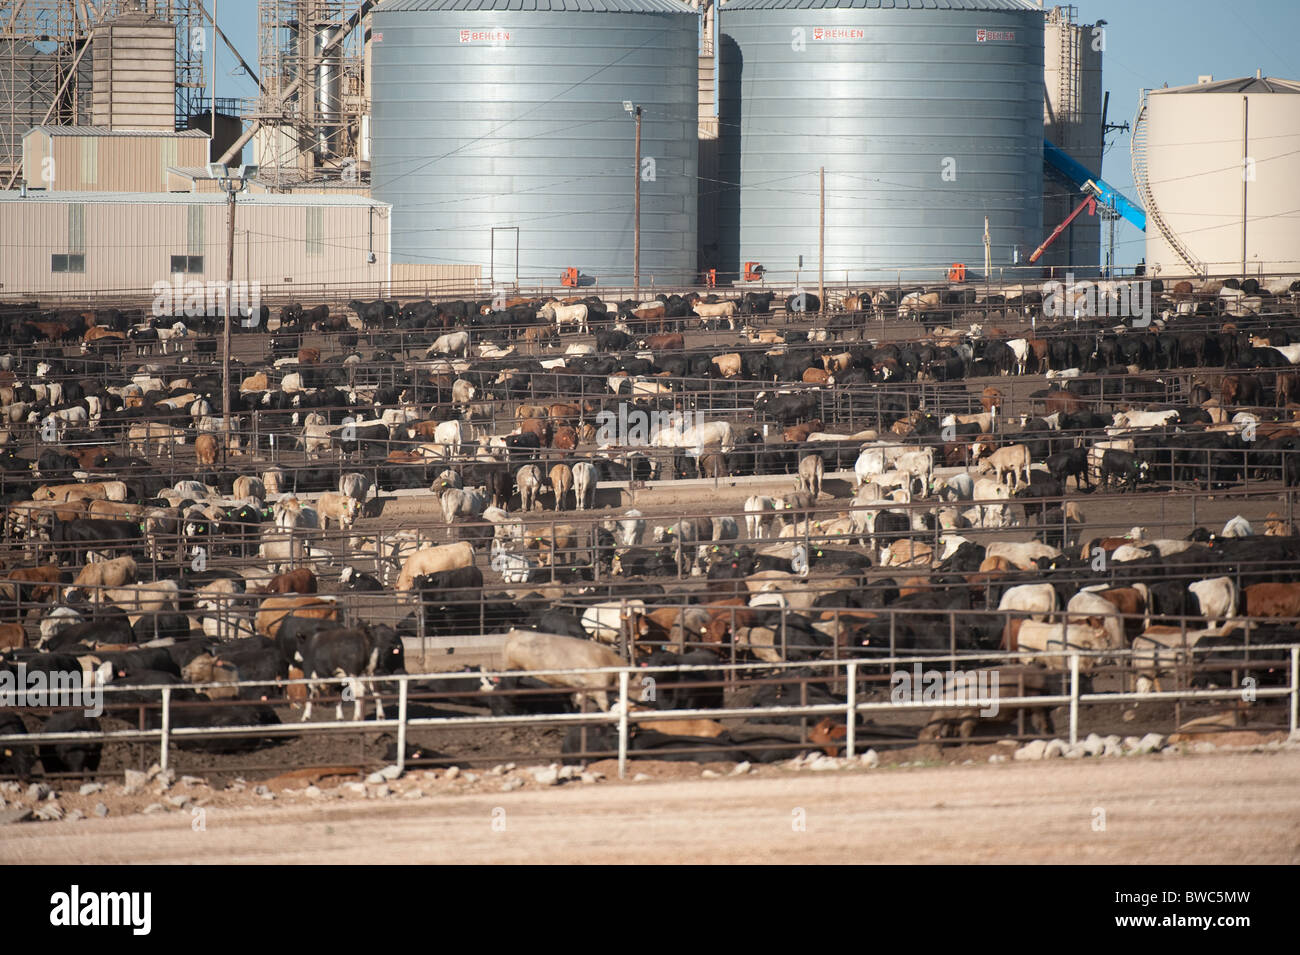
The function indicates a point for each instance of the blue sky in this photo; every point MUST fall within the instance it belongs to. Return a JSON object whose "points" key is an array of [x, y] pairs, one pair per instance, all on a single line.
{"points": [[1148, 43]]}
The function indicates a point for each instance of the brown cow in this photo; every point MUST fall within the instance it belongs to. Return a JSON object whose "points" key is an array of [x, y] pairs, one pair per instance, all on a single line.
{"points": [[12, 636], [565, 414], [714, 465], [538, 426], [298, 581], [799, 432], [818, 376], [990, 398], [206, 450], [47, 575], [308, 356], [274, 609], [665, 341], [1273, 600], [565, 439], [1066, 402], [91, 457]]}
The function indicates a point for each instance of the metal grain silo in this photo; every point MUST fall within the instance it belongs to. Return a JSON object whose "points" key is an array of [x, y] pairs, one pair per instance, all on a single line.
{"points": [[509, 114], [927, 114], [1217, 166]]}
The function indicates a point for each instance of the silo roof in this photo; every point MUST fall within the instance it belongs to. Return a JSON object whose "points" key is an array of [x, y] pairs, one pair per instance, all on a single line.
{"points": [[994, 6], [535, 6], [1247, 84]]}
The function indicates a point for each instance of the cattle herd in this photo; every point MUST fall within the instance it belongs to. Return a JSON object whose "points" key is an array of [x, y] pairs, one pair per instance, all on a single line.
{"points": [[683, 481]]}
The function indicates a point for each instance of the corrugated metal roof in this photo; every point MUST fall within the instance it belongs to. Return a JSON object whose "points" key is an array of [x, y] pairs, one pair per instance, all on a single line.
{"points": [[190, 198], [538, 6], [993, 6], [105, 131], [1247, 84]]}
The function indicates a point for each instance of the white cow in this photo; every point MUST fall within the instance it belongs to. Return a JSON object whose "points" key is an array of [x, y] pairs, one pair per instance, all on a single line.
{"points": [[584, 485]]}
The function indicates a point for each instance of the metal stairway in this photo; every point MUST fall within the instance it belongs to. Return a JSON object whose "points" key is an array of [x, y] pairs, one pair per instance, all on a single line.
{"points": [[1138, 147]]}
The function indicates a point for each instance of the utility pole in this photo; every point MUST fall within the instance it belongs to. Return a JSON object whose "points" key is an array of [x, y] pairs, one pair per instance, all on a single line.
{"points": [[988, 259], [821, 243], [225, 334], [636, 214]]}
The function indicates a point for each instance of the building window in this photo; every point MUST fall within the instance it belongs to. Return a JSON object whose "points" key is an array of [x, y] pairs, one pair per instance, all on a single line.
{"points": [[187, 264], [67, 263], [315, 231]]}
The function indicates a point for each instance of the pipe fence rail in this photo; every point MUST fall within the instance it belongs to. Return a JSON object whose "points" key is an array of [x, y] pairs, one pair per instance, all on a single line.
{"points": [[623, 716]]}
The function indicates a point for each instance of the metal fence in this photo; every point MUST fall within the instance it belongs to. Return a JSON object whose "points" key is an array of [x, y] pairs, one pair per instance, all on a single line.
{"points": [[624, 716]]}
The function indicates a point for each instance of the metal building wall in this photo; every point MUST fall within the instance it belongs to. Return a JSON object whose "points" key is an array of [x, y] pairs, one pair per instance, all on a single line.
{"points": [[885, 99], [521, 124], [95, 162], [1196, 146], [129, 241], [1072, 120], [135, 73], [29, 80]]}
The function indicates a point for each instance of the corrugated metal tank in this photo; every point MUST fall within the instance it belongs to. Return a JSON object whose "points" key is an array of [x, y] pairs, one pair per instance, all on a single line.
{"points": [[509, 113], [1223, 168], [927, 115], [1072, 120]]}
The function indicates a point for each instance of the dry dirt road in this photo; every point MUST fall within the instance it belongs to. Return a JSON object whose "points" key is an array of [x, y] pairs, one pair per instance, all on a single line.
{"points": [[1224, 808]]}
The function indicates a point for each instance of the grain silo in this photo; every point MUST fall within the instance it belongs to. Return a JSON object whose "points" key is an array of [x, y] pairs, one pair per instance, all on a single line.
{"points": [[927, 115], [1217, 165], [500, 135], [1072, 120]]}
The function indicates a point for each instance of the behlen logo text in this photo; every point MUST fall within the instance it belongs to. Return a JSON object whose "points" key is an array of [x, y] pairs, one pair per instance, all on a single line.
{"points": [[102, 908]]}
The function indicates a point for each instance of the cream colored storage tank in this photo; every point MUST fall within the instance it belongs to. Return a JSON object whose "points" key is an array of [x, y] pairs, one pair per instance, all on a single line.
{"points": [[1221, 182]]}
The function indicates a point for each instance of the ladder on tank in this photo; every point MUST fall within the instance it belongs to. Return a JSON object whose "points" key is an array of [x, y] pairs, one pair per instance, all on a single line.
{"points": [[1067, 105], [1143, 186]]}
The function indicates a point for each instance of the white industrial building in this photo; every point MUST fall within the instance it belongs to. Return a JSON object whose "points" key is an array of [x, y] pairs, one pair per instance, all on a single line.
{"points": [[1217, 166], [121, 243]]}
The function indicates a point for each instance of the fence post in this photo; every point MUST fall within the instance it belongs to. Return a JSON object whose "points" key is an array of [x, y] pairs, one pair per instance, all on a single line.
{"points": [[167, 726], [1295, 689], [1074, 698], [622, 724], [401, 724], [851, 713]]}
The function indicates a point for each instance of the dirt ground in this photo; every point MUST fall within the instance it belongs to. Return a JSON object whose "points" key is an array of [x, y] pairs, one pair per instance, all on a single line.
{"points": [[1234, 807]]}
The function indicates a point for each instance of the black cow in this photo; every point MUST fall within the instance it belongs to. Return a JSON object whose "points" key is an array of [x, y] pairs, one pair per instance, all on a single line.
{"points": [[354, 652], [1127, 468], [81, 756]]}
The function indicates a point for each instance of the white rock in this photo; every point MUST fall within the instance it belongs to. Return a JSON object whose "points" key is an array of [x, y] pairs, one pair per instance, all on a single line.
{"points": [[413, 794], [1093, 745], [1077, 751], [640, 778], [740, 769], [710, 774], [268, 795], [193, 781], [826, 763], [260, 790], [178, 801], [1171, 751], [1055, 748], [870, 759], [390, 772], [153, 807], [510, 785], [452, 772], [471, 777], [380, 792], [101, 810], [375, 779], [570, 772], [358, 789], [592, 777], [1032, 750], [998, 758], [545, 775], [1153, 741], [1203, 747], [89, 789], [313, 792]]}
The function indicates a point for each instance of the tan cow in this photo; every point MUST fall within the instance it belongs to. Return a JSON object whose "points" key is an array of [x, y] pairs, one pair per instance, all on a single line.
{"points": [[433, 559], [272, 611]]}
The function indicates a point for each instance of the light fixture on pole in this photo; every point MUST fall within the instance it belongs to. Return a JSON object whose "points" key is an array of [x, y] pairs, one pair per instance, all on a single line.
{"points": [[635, 110], [232, 183]]}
